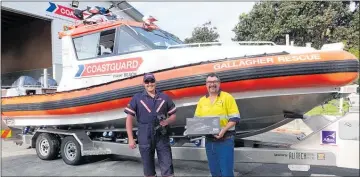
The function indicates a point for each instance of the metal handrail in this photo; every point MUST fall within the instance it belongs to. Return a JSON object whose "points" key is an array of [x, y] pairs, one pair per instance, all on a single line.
{"points": [[6, 87], [38, 86], [27, 86], [51, 87], [221, 43]]}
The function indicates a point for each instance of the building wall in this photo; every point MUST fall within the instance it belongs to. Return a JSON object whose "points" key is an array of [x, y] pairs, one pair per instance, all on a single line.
{"points": [[28, 50], [60, 14]]}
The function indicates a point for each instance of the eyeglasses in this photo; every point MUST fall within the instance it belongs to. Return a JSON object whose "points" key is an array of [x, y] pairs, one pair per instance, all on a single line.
{"points": [[149, 81], [212, 82]]}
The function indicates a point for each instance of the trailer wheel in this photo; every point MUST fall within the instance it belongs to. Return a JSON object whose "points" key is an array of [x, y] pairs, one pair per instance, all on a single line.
{"points": [[71, 151], [47, 146]]}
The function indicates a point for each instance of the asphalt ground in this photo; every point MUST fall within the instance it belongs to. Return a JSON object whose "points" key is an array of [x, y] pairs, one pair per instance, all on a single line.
{"points": [[19, 161]]}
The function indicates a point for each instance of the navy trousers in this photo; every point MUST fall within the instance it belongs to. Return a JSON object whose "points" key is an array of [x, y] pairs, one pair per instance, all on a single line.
{"points": [[220, 155], [163, 150]]}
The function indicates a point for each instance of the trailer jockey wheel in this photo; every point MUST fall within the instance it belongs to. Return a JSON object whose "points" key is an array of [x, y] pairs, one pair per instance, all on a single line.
{"points": [[71, 151], [172, 141], [47, 146], [197, 143]]}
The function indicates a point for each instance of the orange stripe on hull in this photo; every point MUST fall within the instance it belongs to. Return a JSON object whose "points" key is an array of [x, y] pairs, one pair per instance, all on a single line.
{"points": [[104, 106], [317, 80], [183, 72], [284, 82]]}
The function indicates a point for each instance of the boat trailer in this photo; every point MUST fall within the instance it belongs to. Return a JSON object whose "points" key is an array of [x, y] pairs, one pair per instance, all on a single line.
{"points": [[334, 141]]}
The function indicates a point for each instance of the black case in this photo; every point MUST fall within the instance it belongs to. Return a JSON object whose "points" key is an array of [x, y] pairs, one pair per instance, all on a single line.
{"points": [[202, 126]]}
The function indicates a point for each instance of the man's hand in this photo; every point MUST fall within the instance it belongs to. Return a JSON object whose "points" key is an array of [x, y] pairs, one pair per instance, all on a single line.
{"points": [[221, 134], [225, 129], [132, 144], [164, 123], [168, 121]]}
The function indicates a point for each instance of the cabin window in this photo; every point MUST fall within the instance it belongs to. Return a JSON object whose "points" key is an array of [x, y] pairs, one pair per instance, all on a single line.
{"points": [[106, 44], [128, 43], [95, 45]]}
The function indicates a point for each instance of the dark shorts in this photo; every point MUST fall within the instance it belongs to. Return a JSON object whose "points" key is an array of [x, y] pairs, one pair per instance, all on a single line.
{"points": [[163, 151]]}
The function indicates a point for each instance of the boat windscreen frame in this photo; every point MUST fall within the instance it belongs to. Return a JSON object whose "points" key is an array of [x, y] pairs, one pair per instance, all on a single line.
{"points": [[91, 33], [123, 28]]}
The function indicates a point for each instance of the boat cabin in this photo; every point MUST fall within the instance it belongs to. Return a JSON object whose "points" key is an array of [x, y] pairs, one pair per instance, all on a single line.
{"points": [[116, 38], [86, 43]]}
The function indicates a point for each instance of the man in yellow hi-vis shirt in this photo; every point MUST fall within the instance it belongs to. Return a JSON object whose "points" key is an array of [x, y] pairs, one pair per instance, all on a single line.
{"points": [[219, 148]]}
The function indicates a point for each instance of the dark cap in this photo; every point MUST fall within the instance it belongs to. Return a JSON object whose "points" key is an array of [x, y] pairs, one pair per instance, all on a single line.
{"points": [[149, 76]]}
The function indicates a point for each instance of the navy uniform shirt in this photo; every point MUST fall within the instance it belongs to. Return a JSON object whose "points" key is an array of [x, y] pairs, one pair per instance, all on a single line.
{"points": [[146, 109]]}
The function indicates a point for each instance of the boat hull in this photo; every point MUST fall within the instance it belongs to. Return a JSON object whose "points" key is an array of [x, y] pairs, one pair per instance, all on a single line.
{"points": [[264, 87], [261, 111]]}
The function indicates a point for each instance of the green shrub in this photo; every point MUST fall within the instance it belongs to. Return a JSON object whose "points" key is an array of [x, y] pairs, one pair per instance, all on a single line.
{"points": [[331, 108]]}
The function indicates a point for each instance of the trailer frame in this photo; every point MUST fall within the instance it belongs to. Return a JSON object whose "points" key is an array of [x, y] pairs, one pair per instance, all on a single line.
{"points": [[308, 150], [297, 156]]}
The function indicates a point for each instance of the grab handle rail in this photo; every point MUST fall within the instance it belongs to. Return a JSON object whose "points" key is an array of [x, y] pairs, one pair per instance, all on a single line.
{"points": [[201, 44]]}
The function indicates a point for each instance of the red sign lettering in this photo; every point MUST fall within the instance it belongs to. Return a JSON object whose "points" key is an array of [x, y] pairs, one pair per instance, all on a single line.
{"points": [[65, 11]]}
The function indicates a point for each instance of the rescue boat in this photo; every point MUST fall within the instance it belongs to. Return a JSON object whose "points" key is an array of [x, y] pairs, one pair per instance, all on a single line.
{"points": [[267, 80]]}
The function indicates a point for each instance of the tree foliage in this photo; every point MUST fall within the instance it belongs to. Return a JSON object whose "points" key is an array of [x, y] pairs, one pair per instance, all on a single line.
{"points": [[205, 33], [318, 22]]}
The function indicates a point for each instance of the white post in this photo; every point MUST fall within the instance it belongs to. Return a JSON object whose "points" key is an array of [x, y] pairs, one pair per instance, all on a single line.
{"points": [[297, 124], [287, 39], [341, 105], [203, 142], [54, 71], [45, 78], [308, 44], [292, 43]]}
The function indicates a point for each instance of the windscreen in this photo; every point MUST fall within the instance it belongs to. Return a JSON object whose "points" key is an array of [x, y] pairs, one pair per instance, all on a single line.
{"points": [[160, 38]]}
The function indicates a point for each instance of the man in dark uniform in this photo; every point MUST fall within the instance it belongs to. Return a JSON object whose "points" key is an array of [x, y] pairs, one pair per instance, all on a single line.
{"points": [[150, 108]]}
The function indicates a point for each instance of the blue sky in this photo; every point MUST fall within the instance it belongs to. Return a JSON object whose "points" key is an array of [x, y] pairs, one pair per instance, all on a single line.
{"points": [[180, 18]]}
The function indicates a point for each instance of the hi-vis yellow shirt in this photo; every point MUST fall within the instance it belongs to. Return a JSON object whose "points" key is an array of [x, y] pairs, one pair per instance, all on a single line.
{"points": [[224, 107]]}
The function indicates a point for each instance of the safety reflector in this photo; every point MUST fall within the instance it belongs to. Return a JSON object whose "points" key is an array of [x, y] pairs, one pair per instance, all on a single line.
{"points": [[6, 133]]}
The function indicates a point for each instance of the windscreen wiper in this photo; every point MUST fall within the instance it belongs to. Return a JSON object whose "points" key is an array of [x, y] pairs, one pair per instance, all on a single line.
{"points": [[162, 36], [132, 29]]}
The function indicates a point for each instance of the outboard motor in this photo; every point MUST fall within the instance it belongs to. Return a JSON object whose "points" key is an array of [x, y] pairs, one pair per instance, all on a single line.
{"points": [[24, 85], [50, 82]]}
